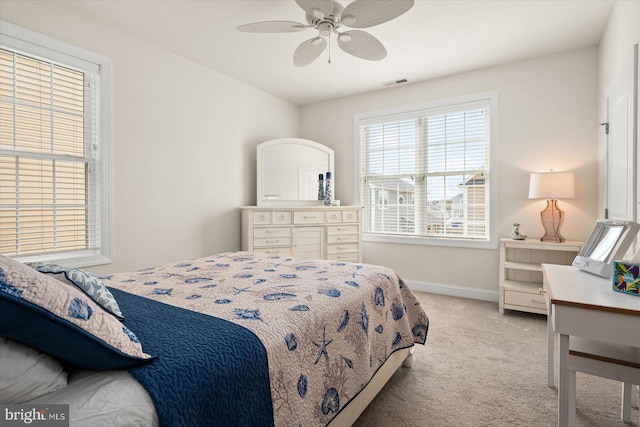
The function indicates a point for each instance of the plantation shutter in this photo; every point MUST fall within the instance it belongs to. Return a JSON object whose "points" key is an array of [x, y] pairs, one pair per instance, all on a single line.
{"points": [[426, 173], [49, 135]]}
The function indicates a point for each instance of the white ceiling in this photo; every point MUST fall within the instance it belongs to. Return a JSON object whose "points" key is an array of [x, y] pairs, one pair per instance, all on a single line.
{"points": [[434, 38]]}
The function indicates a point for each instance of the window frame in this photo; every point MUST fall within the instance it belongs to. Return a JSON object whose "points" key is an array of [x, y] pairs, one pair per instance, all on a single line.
{"points": [[31, 43], [492, 241]]}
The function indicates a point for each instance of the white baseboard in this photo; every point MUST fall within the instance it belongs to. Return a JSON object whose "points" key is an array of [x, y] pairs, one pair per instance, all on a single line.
{"points": [[453, 290]]}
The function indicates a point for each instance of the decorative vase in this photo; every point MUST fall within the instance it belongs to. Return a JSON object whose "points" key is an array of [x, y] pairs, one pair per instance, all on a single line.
{"points": [[328, 192], [320, 187], [515, 234]]}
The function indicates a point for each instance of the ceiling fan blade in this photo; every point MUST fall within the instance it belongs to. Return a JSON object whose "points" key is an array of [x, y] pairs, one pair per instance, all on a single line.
{"points": [[272, 27], [308, 51], [367, 13], [317, 8], [362, 44]]}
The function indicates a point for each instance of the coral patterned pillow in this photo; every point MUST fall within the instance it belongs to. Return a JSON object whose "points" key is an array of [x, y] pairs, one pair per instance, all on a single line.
{"points": [[59, 319], [89, 284]]}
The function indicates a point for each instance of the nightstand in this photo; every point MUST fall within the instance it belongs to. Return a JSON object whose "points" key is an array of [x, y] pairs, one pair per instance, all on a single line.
{"points": [[521, 271]]}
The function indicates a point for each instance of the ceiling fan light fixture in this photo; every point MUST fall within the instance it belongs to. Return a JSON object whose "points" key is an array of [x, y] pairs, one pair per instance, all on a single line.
{"points": [[325, 29], [317, 13], [348, 20], [316, 41], [345, 37]]}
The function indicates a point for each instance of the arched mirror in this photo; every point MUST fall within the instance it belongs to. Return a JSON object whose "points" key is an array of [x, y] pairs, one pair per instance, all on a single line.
{"points": [[288, 169]]}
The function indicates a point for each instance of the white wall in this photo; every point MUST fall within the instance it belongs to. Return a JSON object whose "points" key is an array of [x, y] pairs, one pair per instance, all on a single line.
{"points": [[184, 140], [621, 33], [547, 120]]}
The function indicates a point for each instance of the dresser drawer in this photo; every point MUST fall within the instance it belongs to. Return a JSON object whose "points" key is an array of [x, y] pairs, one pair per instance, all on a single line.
{"points": [[334, 230], [271, 217], [259, 233], [348, 257], [272, 241], [350, 216], [334, 216], [339, 216], [281, 218], [342, 238], [273, 251], [262, 218], [308, 217], [341, 248]]}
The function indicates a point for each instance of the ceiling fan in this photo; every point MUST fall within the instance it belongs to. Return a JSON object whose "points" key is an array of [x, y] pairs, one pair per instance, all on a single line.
{"points": [[327, 16]]}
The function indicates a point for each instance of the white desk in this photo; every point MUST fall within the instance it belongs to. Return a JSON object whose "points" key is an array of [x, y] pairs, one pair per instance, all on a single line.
{"points": [[584, 305]]}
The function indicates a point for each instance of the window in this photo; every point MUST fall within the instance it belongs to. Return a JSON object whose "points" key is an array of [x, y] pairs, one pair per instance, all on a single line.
{"points": [[54, 180], [433, 164]]}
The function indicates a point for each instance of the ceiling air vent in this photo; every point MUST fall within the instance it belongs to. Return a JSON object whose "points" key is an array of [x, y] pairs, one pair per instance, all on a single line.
{"points": [[396, 82]]}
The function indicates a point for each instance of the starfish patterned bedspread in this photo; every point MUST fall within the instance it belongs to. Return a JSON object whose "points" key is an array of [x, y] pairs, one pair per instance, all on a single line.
{"points": [[327, 326]]}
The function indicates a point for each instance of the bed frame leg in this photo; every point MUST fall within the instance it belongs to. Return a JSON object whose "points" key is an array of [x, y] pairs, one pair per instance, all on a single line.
{"points": [[408, 361]]}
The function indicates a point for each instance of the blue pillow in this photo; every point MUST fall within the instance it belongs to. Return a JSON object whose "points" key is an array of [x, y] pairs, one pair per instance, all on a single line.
{"points": [[89, 284], [59, 319]]}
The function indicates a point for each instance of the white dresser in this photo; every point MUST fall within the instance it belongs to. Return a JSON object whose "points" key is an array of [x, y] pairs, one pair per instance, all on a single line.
{"points": [[331, 232]]}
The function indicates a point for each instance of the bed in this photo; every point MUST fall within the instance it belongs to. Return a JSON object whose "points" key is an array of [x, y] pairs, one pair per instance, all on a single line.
{"points": [[232, 339]]}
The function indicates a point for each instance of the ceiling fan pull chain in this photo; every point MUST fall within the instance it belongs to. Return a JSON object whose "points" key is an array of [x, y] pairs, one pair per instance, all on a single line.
{"points": [[329, 48]]}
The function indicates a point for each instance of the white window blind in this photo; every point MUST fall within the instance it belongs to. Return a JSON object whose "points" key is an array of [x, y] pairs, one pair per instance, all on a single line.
{"points": [[49, 151], [426, 173]]}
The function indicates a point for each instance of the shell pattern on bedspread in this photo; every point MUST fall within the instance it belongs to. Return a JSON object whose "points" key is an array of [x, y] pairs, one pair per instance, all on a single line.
{"points": [[327, 326]]}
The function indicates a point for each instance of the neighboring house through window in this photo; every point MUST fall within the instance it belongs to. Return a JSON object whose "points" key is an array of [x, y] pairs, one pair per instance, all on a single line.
{"points": [[54, 150], [434, 164]]}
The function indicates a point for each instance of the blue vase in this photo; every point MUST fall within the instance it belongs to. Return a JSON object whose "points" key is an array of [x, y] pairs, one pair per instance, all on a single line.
{"points": [[328, 192], [320, 187]]}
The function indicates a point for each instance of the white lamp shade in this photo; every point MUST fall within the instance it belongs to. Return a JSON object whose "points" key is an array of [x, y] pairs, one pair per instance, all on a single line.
{"points": [[551, 185]]}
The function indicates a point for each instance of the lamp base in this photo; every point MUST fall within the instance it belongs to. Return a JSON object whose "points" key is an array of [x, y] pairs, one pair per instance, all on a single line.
{"points": [[552, 219]]}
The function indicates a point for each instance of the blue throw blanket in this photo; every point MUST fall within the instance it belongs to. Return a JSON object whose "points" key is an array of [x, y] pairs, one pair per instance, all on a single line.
{"points": [[209, 371]]}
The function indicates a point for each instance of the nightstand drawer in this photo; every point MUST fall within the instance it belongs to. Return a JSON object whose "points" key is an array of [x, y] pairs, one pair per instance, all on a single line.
{"points": [[308, 217], [259, 233], [525, 299]]}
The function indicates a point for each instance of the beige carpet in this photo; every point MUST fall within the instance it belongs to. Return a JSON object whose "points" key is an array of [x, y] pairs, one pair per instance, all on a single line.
{"points": [[480, 368]]}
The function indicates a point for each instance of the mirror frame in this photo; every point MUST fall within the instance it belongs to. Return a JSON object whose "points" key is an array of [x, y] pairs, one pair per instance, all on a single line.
{"points": [[603, 266], [260, 154]]}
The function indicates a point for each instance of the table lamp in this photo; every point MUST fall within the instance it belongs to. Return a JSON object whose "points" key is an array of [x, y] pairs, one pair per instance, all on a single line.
{"points": [[552, 186]]}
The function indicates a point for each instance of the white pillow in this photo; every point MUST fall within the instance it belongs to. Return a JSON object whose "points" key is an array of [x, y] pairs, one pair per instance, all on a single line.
{"points": [[26, 373]]}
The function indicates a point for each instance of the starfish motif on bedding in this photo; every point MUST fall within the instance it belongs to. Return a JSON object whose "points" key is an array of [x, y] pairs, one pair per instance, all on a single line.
{"points": [[240, 290], [323, 346]]}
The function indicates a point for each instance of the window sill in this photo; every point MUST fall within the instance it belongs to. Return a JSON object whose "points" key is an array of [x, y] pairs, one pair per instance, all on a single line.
{"points": [[431, 241], [67, 260]]}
